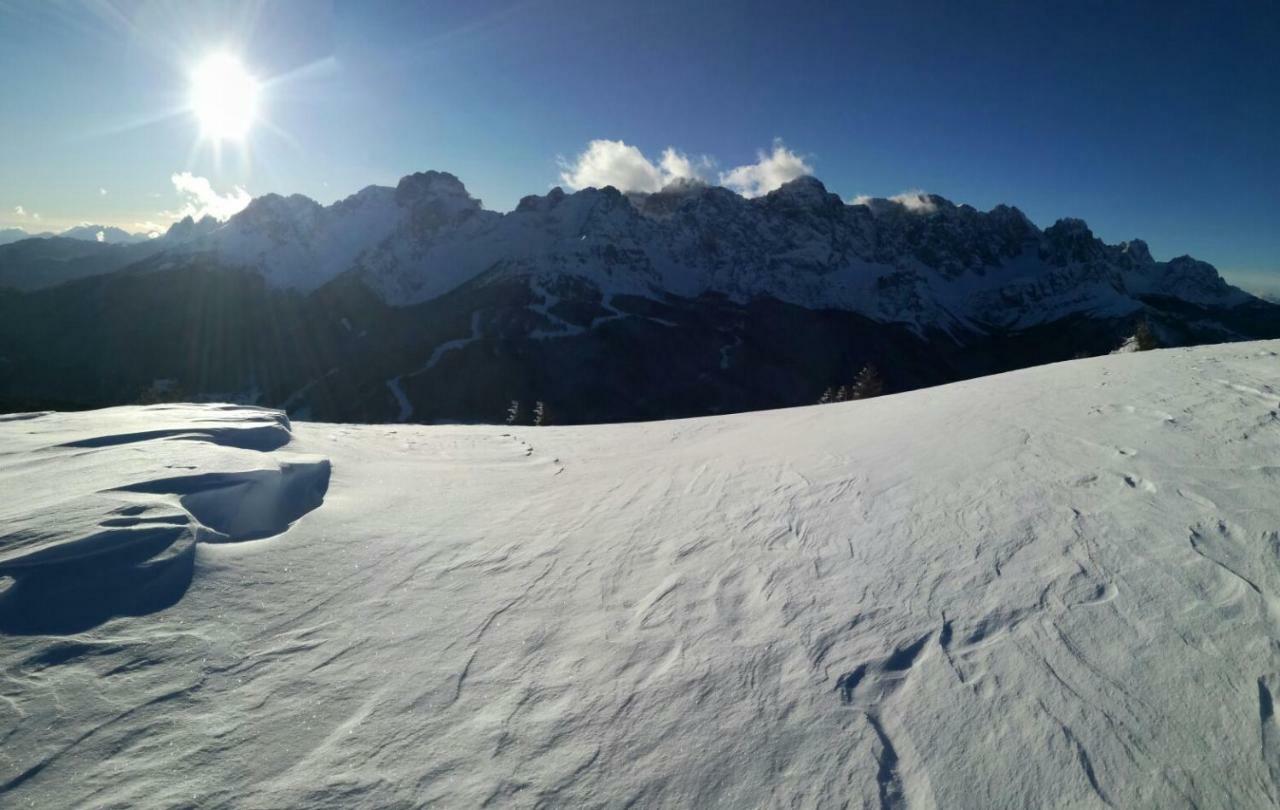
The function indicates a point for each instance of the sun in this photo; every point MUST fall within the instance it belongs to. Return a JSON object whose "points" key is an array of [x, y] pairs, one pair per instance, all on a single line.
{"points": [[224, 97]]}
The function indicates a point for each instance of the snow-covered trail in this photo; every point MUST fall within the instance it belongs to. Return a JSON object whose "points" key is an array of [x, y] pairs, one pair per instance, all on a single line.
{"points": [[395, 384], [1056, 587]]}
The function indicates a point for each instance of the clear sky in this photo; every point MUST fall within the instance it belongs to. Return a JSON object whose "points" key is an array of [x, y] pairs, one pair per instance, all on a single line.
{"points": [[1159, 120]]}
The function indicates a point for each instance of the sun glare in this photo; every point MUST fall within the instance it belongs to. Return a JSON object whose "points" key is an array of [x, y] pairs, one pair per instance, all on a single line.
{"points": [[224, 97]]}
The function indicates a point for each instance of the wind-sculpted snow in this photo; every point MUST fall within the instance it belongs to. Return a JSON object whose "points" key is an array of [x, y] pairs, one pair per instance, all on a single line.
{"points": [[106, 509], [1055, 587]]}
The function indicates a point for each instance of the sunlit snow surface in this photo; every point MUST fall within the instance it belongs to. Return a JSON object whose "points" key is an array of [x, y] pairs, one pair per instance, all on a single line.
{"points": [[1055, 587]]}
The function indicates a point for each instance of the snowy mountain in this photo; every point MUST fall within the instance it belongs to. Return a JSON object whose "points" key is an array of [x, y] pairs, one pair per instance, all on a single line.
{"points": [[1056, 587], [296, 243], [103, 233], [190, 228], [930, 263], [85, 232], [39, 261], [414, 303], [10, 235]]}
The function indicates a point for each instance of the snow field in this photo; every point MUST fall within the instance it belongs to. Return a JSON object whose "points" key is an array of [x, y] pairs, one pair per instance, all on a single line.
{"points": [[1053, 588]]}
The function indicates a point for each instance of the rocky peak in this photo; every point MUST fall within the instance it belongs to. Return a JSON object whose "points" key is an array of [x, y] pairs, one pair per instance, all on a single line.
{"points": [[1136, 250], [439, 190], [545, 202], [270, 207], [1069, 241], [674, 196], [189, 228], [806, 192]]}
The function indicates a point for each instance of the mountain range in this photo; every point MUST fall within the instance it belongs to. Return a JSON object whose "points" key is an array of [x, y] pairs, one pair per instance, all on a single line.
{"points": [[86, 231], [415, 303]]}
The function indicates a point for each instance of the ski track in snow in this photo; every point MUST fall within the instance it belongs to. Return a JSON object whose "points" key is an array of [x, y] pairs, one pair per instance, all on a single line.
{"points": [[546, 301], [402, 400], [396, 386], [606, 302], [1055, 587]]}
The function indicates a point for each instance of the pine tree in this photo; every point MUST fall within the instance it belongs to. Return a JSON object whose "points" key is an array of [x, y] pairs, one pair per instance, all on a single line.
{"points": [[539, 414], [1144, 338], [842, 393], [513, 412], [827, 396], [867, 384]]}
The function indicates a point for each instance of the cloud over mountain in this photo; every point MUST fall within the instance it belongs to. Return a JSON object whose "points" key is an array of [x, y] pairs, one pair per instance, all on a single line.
{"points": [[626, 168], [623, 166], [769, 172], [201, 200]]}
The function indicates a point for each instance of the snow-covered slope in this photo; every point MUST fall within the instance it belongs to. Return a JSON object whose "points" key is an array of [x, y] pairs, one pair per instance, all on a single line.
{"points": [[1055, 587]]}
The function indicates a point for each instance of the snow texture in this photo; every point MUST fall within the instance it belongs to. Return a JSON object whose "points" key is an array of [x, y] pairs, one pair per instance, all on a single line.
{"points": [[123, 497], [1054, 587]]}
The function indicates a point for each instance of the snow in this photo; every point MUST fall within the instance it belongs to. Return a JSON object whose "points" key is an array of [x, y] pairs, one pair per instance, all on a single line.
{"points": [[395, 384], [103, 233], [111, 530], [546, 301], [606, 303], [402, 400], [451, 345], [1054, 587], [295, 243]]}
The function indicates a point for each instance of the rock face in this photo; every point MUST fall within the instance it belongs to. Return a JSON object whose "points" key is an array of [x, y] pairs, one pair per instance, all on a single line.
{"points": [[416, 303]]}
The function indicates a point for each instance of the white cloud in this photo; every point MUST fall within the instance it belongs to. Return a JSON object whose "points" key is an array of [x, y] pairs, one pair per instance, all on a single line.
{"points": [[19, 210], [201, 200], [35, 216], [102, 192], [915, 201], [623, 166], [101, 236], [769, 171], [679, 166]]}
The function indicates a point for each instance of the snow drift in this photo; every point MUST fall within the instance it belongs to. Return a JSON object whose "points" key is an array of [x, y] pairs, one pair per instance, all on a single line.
{"points": [[1055, 587], [105, 527]]}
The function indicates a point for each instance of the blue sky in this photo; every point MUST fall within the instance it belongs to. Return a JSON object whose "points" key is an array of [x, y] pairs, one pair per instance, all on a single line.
{"points": [[1158, 120]]}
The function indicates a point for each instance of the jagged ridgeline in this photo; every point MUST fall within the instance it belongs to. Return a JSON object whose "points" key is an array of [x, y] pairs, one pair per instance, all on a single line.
{"points": [[414, 303]]}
